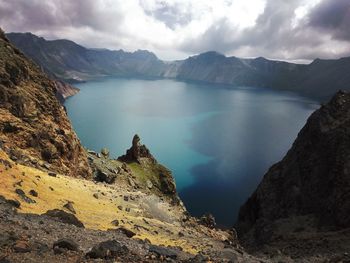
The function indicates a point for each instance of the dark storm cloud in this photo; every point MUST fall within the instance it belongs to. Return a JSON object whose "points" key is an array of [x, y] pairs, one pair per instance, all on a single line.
{"points": [[332, 16]]}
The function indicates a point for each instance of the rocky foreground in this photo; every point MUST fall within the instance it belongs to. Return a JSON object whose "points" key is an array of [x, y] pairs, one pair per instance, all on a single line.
{"points": [[49, 217]]}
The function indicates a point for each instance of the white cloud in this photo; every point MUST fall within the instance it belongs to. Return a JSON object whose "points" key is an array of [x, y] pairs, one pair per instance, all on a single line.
{"points": [[174, 29]]}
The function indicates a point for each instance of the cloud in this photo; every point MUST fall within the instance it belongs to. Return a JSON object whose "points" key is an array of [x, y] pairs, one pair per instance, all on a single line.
{"points": [[333, 17], [173, 29]]}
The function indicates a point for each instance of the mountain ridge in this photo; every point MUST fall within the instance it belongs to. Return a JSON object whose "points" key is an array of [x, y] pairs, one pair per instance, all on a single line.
{"points": [[319, 80]]}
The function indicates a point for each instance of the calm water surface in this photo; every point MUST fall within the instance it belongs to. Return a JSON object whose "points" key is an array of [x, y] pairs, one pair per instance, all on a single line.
{"points": [[218, 140]]}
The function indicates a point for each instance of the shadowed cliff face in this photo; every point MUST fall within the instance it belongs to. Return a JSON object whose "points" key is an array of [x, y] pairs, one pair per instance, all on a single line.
{"points": [[35, 129], [310, 188]]}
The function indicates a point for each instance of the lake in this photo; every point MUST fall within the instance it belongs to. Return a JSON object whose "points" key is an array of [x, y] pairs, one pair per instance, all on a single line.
{"points": [[217, 140]]}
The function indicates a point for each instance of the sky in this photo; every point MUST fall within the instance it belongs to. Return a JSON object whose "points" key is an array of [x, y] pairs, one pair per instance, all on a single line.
{"points": [[292, 30]]}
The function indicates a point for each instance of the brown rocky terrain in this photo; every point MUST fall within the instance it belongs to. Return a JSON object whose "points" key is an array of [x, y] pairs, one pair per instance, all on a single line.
{"points": [[302, 205], [34, 126]]}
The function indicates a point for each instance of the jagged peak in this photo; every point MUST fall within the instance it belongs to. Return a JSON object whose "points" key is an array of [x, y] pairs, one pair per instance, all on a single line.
{"points": [[137, 152], [260, 59], [212, 54], [142, 53]]}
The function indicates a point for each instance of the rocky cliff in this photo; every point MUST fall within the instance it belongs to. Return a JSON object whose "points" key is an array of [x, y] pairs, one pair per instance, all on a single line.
{"points": [[34, 126], [307, 194], [64, 90]]}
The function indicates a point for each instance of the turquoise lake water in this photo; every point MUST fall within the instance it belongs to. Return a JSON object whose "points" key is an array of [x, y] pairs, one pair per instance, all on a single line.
{"points": [[217, 140]]}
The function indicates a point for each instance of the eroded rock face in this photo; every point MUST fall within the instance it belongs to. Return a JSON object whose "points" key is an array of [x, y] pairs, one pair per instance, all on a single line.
{"points": [[310, 187], [33, 124], [64, 90]]}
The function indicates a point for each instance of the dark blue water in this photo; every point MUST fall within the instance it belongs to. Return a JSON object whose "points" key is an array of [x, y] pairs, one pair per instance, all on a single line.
{"points": [[218, 140]]}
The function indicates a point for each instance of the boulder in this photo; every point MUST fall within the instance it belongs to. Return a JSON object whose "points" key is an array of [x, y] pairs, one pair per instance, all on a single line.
{"points": [[64, 217], [104, 177], [105, 152], [22, 246], [23, 196], [10, 202], [33, 193], [115, 222], [131, 182], [110, 249], [164, 252], [126, 232], [69, 206], [208, 220], [65, 244], [149, 184]]}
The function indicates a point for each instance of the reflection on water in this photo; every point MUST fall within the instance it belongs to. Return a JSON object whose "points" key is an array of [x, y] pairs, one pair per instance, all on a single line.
{"points": [[217, 140]]}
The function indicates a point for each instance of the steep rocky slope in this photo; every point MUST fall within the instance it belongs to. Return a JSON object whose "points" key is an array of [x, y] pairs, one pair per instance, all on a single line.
{"points": [[34, 126], [304, 200], [69, 61]]}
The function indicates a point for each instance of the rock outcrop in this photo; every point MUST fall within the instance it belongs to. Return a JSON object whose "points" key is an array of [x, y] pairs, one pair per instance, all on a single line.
{"points": [[309, 190], [34, 127], [137, 152], [163, 181]]}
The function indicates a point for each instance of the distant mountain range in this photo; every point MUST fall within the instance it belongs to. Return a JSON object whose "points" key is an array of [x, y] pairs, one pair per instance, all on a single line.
{"points": [[71, 62]]}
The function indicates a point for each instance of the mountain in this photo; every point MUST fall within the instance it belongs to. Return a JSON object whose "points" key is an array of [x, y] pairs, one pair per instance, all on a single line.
{"points": [[71, 62], [62, 203], [319, 80], [304, 200]]}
